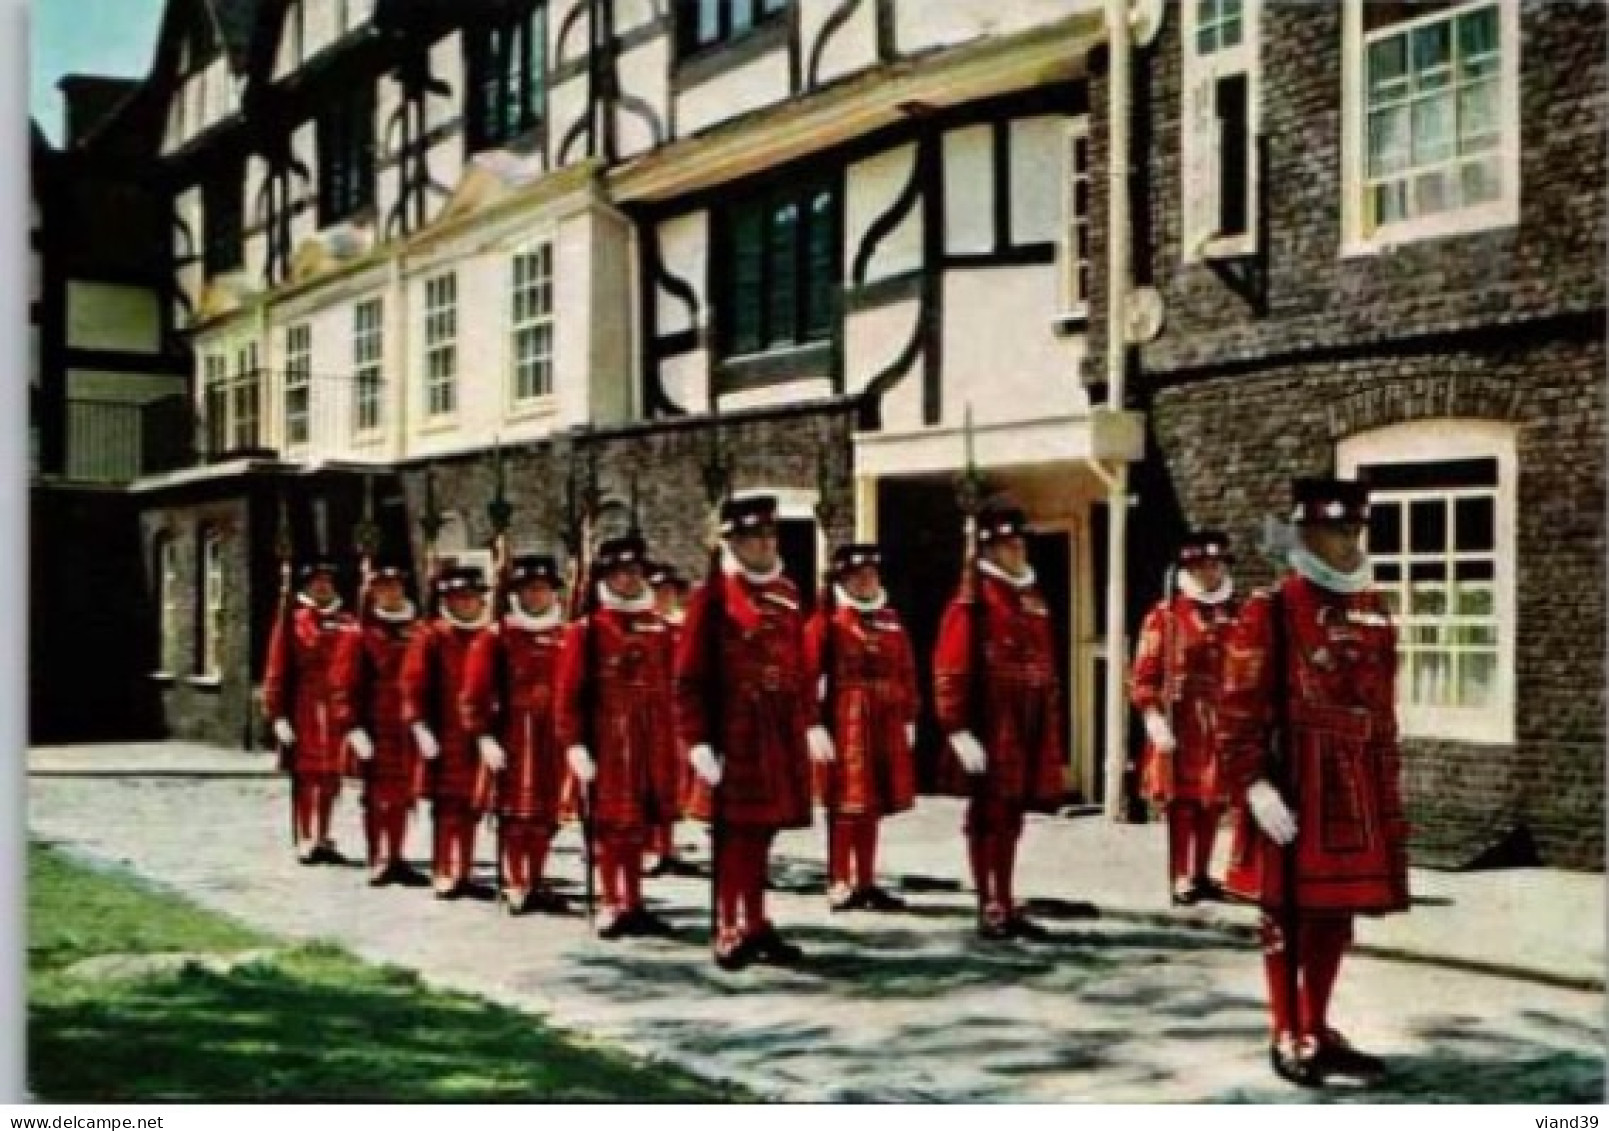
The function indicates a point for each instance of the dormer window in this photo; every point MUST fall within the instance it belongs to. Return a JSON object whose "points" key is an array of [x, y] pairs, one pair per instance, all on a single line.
{"points": [[703, 24], [506, 60]]}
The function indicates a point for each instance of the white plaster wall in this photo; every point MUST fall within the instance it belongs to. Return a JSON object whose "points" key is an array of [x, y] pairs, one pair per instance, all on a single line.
{"points": [[632, 14], [572, 337], [684, 252], [873, 339], [794, 392], [447, 66], [923, 24], [104, 316], [322, 23], [873, 186], [578, 35], [853, 47], [1037, 151], [304, 145], [685, 380], [902, 404], [1001, 350], [567, 104], [187, 209], [760, 83], [608, 317], [969, 190], [644, 74]]}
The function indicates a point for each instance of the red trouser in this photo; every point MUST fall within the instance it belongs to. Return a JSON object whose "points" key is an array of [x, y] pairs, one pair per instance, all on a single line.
{"points": [[617, 855], [453, 857], [525, 844], [993, 830], [1321, 942], [742, 865], [385, 825], [1192, 832], [313, 803], [853, 862]]}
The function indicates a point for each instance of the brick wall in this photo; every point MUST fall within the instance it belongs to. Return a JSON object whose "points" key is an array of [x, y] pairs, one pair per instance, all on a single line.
{"points": [[1264, 365]]}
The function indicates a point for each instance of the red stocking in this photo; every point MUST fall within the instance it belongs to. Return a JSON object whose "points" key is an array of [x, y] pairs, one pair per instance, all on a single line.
{"points": [[1181, 828], [326, 794], [756, 846], [1324, 944], [1207, 819], [1280, 1007], [302, 806], [980, 851], [866, 852], [843, 837], [728, 891], [1005, 864]]}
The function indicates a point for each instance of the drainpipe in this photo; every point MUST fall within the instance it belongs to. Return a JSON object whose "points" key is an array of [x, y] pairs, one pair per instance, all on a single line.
{"points": [[1117, 481]]}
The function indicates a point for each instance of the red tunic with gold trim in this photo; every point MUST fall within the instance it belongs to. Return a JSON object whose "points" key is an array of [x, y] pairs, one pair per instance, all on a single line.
{"points": [[633, 735], [508, 693], [1339, 682], [1190, 678], [368, 694], [767, 698], [299, 685], [874, 699], [432, 680], [1022, 724]]}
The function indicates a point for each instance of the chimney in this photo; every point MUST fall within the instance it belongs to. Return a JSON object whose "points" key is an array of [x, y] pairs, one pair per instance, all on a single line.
{"points": [[90, 99]]}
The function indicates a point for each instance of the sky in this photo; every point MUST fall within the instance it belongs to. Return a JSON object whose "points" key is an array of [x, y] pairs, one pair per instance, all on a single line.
{"points": [[86, 37]]}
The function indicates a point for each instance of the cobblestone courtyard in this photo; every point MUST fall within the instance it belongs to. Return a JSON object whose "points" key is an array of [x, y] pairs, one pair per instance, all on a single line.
{"points": [[901, 1007]]}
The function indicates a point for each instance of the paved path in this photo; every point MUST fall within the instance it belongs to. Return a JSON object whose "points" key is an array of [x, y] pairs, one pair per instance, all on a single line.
{"points": [[896, 1007]]}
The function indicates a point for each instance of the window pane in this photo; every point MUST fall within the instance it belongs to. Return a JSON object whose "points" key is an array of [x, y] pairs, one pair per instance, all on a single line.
{"points": [[1473, 600], [742, 15], [747, 258], [1477, 42], [1388, 141], [820, 276], [1388, 69], [1477, 117], [1477, 683], [1433, 129], [1474, 523], [1432, 192], [1385, 528], [1432, 56], [1474, 571], [1427, 526], [1427, 600], [1430, 680], [1427, 571], [1207, 40], [784, 297]]}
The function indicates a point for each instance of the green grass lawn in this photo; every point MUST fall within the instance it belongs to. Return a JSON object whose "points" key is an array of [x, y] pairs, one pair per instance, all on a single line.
{"points": [[291, 1024]]}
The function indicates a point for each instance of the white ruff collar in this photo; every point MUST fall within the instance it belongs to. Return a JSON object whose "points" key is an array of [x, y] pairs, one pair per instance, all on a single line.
{"points": [[396, 616], [1021, 581], [484, 619], [519, 618], [734, 568], [1309, 565], [308, 603], [614, 602], [1191, 588], [845, 598]]}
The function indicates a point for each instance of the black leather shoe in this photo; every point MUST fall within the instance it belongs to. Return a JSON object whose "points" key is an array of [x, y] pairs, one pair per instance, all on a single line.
{"points": [[1024, 928], [1337, 1057], [994, 930], [1185, 893], [548, 902], [841, 898], [615, 928], [326, 853], [643, 923], [1295, 1063], [771, 947], [406, 875], [735, 955], [1208, 891], [875, 898]]}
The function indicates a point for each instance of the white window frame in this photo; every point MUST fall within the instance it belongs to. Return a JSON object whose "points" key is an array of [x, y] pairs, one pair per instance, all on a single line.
{"points": [[299, 383], [1199, 136], [440, 368], [527, 315], [368, 366], [1500, 213], [169, 628], [212, 612], [1440, 441], [247, 385], [1074, 297]]}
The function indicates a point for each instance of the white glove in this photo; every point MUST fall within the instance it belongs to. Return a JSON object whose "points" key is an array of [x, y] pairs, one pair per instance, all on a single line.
{"points": [[492, 754], [284, 732], [422, 738], [1160, 733], [1272, 815], [581, 764], [362, 745], [821, 747], [910, 735], [705, 764], [970, 751]]}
